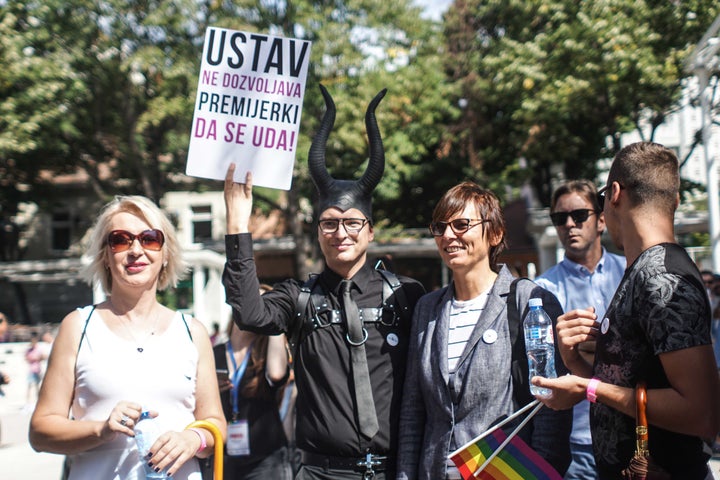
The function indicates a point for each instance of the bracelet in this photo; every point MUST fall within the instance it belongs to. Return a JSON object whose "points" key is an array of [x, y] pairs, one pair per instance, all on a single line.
{"points": [[203, 442], [590, 392]]}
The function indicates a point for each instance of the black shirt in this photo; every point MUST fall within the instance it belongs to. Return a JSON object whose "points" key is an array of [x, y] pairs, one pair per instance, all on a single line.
{"points": [[659, 307], [326, 419]]}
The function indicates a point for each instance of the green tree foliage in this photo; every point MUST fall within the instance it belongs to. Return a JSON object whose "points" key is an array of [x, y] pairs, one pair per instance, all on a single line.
{"points": [[107, 88], [548, 82], [508, 91], [100, 85]]}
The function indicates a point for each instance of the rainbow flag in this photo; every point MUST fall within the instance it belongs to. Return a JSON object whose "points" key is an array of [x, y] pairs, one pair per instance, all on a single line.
{"points": [[517, 461]]}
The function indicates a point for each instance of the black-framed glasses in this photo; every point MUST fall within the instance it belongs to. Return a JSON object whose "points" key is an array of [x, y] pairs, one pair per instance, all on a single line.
{"points": [[351, 225], [578, 216], [122, 240], [458, 226]]}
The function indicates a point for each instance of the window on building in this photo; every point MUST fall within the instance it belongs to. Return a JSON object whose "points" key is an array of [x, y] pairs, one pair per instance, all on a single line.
{"points": [[61, 230], [202, 223]]}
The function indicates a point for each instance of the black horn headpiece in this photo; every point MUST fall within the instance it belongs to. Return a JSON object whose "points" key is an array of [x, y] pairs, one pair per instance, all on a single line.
{"points": [[345, 194]]}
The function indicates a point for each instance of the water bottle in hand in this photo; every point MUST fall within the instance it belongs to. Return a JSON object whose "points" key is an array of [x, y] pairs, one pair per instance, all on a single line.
{"points": [[146, 432], [539, 345]]}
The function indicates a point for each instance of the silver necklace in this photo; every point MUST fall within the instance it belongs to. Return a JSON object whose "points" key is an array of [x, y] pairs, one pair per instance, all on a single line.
{"points": [[140, 347]]}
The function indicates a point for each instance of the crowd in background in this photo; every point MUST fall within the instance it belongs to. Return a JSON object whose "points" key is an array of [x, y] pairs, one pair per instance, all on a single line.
{"points": [[389, 379]]}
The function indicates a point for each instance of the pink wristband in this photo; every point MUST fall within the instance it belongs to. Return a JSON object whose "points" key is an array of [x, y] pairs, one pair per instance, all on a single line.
{"points": [[591, 388], [203, 442]]}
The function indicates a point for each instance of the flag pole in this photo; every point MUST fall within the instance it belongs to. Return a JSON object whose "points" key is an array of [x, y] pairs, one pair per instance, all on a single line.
{"points": [[495, 427], [507, 440]]}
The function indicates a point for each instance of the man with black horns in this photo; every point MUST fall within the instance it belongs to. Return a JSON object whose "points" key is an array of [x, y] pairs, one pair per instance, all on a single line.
{"points": [[349, 325]]}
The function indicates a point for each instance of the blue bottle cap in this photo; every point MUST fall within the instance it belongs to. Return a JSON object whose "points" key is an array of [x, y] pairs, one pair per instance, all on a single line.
{"points": [[535, 302]]}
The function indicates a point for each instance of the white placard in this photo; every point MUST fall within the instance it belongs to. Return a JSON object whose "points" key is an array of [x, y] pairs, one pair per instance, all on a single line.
{"points": [[248, 106]]}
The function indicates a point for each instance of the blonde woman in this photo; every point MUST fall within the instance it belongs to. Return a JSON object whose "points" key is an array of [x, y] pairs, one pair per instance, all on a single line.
{"points": [[113, 360]]}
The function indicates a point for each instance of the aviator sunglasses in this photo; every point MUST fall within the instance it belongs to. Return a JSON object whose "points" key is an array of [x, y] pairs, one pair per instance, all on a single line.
{"points": [[578, 216], [121, 240]]}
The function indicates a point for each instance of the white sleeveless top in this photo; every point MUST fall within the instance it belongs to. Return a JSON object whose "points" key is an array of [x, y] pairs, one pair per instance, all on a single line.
{"points": [[162, 378]]}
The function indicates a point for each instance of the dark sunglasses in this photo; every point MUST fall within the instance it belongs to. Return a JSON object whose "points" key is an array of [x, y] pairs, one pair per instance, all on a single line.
{"points": [[578, 216], [603, 191], [601, 197], [458, 226], [121, 240]]}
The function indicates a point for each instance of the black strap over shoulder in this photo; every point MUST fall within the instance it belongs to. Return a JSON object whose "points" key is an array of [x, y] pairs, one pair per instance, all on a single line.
{"points": [[301, 326], [312, 310], [519, 369], [392, 286]]}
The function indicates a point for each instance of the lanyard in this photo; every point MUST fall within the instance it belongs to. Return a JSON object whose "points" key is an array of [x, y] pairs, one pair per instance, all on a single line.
{"points": [[285, 406], [238, 374]]}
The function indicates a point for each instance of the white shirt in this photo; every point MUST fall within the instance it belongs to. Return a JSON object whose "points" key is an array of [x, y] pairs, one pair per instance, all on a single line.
{"points": [[162, 378]]}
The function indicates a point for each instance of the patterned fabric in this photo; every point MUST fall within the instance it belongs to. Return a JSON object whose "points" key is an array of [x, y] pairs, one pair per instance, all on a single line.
{"points": [[659, 307], [516, 461]]}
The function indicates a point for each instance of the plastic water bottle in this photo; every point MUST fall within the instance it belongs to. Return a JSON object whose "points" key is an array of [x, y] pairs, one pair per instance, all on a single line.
{"points": [[146, 432], [539, 345]]}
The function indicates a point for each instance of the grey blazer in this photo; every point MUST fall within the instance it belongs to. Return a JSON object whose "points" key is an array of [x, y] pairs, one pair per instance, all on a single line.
{"points": [[438, 416]]}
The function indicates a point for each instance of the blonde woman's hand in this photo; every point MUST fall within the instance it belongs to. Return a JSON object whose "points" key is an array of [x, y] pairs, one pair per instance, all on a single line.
{"points": [[122, 419], [172, 449]]}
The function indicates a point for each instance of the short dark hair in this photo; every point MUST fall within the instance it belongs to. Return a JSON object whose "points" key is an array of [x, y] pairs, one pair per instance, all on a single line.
{"points": [[488, 206], [584, 188], [650, 173]]}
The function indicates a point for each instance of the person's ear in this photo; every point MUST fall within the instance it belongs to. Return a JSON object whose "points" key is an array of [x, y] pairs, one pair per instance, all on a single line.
{"points": [[494, 239]]}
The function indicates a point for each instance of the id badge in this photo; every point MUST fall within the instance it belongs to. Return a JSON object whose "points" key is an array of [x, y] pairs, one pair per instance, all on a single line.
{"points": [[238, 438]]}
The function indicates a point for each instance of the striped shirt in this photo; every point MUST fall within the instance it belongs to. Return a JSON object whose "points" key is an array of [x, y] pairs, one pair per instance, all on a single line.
{"points": [[464, 314]]}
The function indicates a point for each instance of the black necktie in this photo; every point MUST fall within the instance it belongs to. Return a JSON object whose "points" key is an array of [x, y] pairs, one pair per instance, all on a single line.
{"points": [[356, 336]]}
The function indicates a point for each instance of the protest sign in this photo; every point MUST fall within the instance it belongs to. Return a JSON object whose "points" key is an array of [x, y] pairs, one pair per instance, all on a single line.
{"points": [[248, 107]]}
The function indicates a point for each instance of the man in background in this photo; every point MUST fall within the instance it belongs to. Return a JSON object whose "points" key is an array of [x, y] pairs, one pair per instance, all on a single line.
{"points": [[586, 278]]}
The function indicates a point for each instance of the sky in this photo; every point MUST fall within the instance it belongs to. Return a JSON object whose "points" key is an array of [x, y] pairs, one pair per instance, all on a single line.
{"points": [[434, 8]]}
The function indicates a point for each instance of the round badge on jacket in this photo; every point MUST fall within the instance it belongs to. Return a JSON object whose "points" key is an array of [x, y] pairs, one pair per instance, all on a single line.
{"points": [[605, 325], [489, 336]]}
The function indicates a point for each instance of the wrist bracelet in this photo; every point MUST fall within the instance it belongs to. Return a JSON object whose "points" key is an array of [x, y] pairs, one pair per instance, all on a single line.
{"points": [[590, 392], [203, 442]]}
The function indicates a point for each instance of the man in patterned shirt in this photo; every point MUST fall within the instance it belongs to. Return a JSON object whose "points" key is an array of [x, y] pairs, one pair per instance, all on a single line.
{"points": [[656, 329]]}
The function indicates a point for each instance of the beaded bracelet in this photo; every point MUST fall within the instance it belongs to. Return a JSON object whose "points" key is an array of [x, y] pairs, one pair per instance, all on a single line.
{"points": [[203, 442]]}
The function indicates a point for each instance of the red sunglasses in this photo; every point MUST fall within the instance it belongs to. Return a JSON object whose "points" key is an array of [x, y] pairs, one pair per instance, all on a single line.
{"points": [[121, 240]]}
